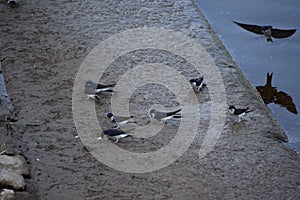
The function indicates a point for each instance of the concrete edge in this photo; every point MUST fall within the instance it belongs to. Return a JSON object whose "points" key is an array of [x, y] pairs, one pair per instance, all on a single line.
{"points": [[280, 135]]}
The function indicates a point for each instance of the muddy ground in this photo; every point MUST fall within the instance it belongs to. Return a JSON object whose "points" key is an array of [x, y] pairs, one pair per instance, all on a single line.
{"points": [[45, 42]]}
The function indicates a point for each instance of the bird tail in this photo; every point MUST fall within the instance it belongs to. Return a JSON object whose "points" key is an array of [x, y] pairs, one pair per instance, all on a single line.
{"points": [[269, 79], [269, 40], [174, 112], [177, 116], [247, 110], [111, 85], [103, 90]]}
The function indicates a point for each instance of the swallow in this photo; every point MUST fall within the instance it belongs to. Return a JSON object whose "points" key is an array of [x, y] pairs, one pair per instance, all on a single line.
{"points": [[93, 90], [163, 116], [120, 120], [99, 87], [267, 31], [90, 92], [239, 112], [197, 83], [115, 134], [13, 2]]}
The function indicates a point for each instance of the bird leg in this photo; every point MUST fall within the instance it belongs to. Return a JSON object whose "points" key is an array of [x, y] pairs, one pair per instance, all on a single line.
{"points": [[239, 119]]}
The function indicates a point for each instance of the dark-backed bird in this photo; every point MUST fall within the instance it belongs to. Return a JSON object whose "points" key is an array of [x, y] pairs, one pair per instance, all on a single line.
{"points": [[240, 112], [115, 134], [99, 87], [267, 31], [93, 90], [90, 92], [120, 120], [197, 83], [13, 2], [163, 116]]}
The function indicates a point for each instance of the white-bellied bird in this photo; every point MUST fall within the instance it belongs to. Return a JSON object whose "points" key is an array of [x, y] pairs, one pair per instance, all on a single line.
{"points": [[120, 120], [197, 83], [163, 116], [240, 112], [267, 31], [93, 90]]}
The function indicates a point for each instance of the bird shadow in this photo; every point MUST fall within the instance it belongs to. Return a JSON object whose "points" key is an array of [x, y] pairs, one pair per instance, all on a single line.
{"points": [[270, 94]]}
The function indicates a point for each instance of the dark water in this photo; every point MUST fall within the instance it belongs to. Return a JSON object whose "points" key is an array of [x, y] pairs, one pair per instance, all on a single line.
{"points": [[256, 57]]}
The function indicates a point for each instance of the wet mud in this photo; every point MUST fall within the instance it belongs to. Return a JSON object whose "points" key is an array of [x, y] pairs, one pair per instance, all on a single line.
{"points": [[45, 42]]}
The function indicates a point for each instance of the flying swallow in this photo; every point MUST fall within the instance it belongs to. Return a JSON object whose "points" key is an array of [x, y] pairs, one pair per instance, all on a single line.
{"points": [[267, 31], [163, 116], [239, 112]]}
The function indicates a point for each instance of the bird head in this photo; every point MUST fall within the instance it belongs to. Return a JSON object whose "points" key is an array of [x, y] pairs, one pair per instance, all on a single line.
{"points": [[231, 109], [109, 115], [192, 80], [152, 113], [266, 28], [89, 83]]}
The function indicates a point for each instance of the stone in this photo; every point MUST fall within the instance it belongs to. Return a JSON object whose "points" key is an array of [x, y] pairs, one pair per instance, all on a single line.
{"points": [[12, 170], [15, 163], [6, 194], [11, 179]]}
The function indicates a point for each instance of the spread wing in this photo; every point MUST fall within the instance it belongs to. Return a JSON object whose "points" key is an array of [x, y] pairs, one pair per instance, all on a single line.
{"points": [[279, 33], [249, 27], [284, 100]]}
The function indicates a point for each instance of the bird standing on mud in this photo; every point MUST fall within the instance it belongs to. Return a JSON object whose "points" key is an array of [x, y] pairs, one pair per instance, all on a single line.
{"points": [[13, 2], [92, 90], [120, 120], [113, 133], [239, 112], [267, 31], [163, 116], [197, 83]]}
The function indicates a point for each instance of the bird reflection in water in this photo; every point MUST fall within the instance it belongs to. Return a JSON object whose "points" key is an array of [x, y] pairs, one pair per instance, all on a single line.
{"points": [[270, 94]]}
